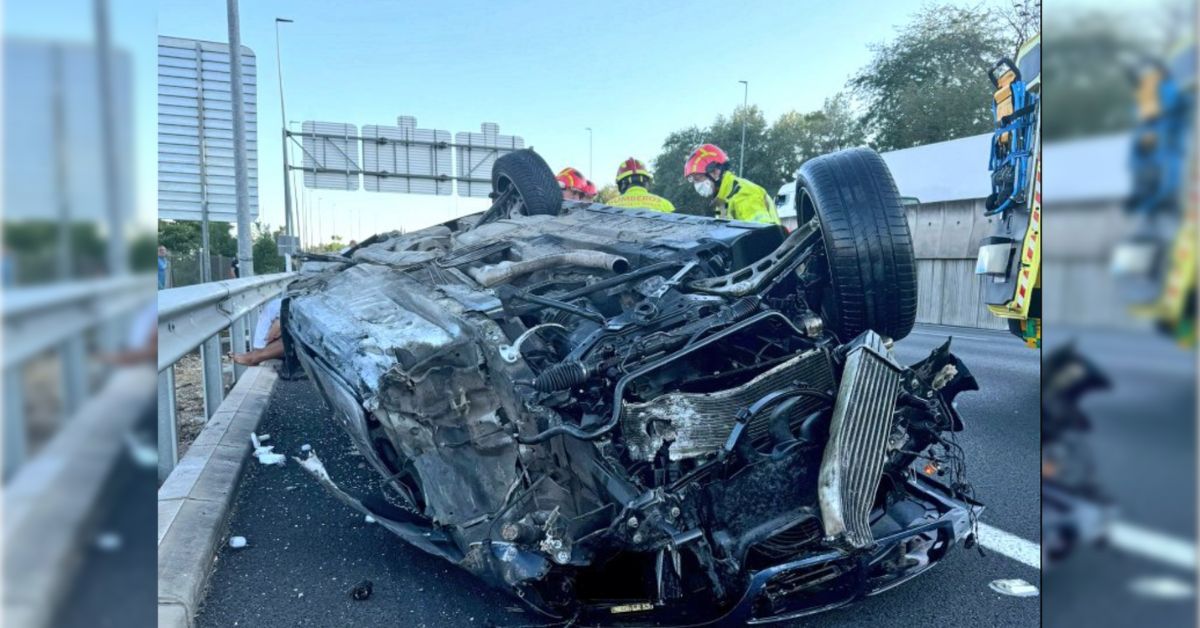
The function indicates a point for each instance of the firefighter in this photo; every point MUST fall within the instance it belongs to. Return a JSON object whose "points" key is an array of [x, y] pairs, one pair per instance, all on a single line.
{"points": [[632, 180], [735, 198], [575, 186]]}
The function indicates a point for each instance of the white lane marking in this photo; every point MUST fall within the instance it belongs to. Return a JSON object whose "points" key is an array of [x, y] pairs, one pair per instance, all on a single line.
{"points": [[1153, 545], [1010, 545], [1162, 588]]}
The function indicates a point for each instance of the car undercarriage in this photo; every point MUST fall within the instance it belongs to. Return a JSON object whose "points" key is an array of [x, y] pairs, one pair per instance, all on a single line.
{"points": [[626, 416]]}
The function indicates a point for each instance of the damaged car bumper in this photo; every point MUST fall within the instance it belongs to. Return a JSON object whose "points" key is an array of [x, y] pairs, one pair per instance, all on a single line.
{"points": [[934, 521]]}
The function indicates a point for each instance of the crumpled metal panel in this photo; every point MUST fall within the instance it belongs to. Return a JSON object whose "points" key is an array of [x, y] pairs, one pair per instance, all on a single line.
{"points": [[697, 424], [368, 318]]}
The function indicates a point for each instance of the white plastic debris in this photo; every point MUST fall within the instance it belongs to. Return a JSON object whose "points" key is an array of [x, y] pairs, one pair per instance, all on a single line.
{"points": [[144, 454], [306, 447], [264, 437], [108, 541], [369, 519], [1163, 588], [237, 542], [265, 453], [266, 456], [1015, 587]]}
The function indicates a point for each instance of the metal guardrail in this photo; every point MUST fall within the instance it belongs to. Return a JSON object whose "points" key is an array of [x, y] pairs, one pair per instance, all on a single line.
{"points": [[193, 317], [41, 318]]}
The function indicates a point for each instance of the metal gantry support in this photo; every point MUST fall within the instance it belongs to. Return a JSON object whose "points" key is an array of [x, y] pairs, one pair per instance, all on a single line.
{"points": [[380, 173]]}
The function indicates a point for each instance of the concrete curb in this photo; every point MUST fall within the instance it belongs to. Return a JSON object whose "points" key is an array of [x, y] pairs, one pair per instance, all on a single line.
{"points": [[55, 499], [194, 501]]}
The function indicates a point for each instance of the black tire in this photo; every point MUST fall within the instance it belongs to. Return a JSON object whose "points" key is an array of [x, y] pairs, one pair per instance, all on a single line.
{"points": [[872, 269], [533, 179]]}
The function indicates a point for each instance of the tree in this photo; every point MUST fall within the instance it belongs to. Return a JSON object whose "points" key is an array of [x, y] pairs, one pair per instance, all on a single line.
{"points": [[773, 152], [1024, 21], [668, 171], [725, 133], [1088, 75], [795, 137], [182, 237], [335, 245], [607, 193], [266, 254], [34, 249], [143, 252], [930, 83]]}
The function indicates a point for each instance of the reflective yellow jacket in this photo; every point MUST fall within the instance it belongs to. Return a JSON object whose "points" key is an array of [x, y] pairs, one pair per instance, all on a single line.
{"points": [[745, 200], [639, 197]]}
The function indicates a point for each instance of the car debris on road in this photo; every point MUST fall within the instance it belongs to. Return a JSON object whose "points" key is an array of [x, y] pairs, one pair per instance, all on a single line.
{"points": [[362, 590], [265, 453], [1014, 587]]}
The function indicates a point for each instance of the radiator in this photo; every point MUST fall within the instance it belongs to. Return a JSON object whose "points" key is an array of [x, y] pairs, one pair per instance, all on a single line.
{"points": [[856, 450]]}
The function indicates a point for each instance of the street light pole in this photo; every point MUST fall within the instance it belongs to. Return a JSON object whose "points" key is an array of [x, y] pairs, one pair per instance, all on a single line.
{"points": [[745, 101], [591, 173], [287, 189]]}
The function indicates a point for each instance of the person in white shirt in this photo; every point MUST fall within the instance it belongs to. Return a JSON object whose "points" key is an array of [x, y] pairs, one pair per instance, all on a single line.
{"points": [[268, 341]]}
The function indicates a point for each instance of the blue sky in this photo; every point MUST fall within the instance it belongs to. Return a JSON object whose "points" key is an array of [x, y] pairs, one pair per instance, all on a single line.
{"points": [[633, 71]]}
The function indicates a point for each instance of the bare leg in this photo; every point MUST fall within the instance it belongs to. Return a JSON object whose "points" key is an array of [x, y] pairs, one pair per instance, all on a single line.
{"points": [[272, 351]]}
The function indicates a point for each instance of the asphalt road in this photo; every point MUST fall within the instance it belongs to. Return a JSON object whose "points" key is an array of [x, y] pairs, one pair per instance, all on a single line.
{"points": [[306, 551], [1144, 442], [115, 583]]}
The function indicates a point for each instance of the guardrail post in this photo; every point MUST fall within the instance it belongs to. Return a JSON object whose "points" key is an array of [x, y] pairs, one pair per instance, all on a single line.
{"points": [[74, 374], [15, 432], [239, 338], [212, 378], [168, 444]]}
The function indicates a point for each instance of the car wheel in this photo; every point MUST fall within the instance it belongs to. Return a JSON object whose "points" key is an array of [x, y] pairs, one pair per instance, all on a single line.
{"points": [[535, 184], [868, 247]]}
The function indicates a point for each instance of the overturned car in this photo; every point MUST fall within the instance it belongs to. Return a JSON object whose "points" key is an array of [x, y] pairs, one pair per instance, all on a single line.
{"points": [[628, 416]]}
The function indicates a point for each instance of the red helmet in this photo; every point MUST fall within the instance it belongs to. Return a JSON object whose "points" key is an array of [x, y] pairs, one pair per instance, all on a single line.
{"points": [[630, 167], [590, 190], [572, 179], [704, 160]]}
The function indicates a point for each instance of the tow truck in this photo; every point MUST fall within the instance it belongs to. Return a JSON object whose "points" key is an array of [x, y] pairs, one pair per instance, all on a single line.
{"points": [[1009, 262], [1155, 265]]}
